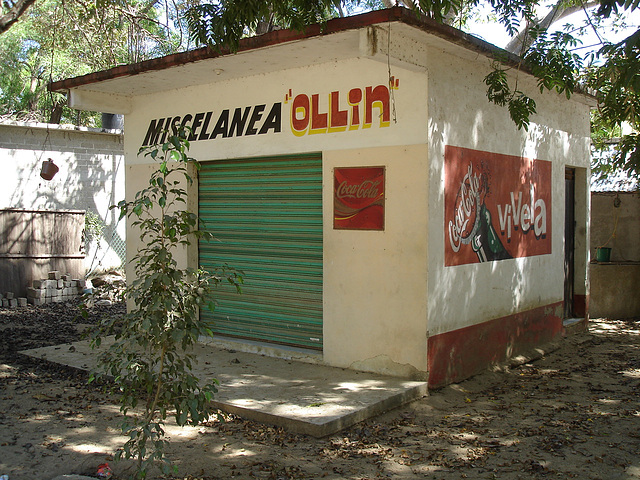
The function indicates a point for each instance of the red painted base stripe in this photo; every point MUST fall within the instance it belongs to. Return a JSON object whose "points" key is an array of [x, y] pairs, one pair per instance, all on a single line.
{"points": [[459, 354]]}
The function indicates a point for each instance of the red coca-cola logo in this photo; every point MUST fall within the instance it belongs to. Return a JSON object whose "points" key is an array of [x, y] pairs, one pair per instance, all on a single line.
{"points": [[468, 200], [366, 189], [359, 198]]}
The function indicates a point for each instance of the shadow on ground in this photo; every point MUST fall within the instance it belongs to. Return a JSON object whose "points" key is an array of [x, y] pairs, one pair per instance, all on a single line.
{"points": [[575, 413]]}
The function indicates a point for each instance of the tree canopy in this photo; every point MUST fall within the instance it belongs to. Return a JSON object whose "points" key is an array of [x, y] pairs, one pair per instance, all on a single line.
{"points": [[61, 38], [57, 39], [556, 56]]}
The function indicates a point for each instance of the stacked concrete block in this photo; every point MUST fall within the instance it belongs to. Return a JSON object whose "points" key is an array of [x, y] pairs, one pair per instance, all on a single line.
{"points": [[9, 300], [57, 288], [54, 289]]}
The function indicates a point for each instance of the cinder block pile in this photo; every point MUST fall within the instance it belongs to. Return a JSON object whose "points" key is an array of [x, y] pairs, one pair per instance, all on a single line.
{"points": [[57, 288], [8, 300]]}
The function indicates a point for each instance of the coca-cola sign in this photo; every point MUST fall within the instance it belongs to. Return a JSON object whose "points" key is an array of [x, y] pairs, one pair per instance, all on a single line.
{"points": [[497, 206], [358, 198]]}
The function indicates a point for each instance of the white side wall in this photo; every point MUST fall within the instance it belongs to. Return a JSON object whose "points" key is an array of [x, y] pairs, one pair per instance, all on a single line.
{"points": [[461, 115], [91, 178]]}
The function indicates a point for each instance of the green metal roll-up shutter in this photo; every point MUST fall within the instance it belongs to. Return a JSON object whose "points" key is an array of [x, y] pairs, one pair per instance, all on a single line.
{"points": [[266, 215]]}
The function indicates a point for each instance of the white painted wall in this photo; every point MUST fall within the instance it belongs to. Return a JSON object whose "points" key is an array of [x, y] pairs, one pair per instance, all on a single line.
{"points": [[375, 282], [461, 115], [270, 88], [91, 178]]}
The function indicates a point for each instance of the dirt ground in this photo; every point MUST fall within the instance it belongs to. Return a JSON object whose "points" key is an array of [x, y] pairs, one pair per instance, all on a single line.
{"points": [[575, 413]]}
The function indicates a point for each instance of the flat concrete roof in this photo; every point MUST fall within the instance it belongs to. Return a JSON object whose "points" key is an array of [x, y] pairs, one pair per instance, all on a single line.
{"points": [[304, 398]]}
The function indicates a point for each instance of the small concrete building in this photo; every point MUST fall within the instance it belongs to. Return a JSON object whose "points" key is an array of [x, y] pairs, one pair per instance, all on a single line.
{"points": [[388, 218]]}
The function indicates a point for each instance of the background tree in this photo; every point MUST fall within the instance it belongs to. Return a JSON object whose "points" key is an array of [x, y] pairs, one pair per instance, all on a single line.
{"points": [[609, 70], [64, 38], [11, 12]]}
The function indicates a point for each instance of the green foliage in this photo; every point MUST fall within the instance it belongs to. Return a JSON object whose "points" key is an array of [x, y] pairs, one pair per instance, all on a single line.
{"points": [[553, 63], [613, 75], [224, 23], [60, 39], [151, 357], [498, 90], [618, 156], [608, 7], [616, 84], [55, 40], [221, 24], [553, 56], [93, 225], [520, 106], [512, 13], [26, 65], [93, 229], [439, 9]]}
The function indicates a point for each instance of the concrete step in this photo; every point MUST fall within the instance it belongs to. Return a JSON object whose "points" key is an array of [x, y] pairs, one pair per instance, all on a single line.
{"points": [[575, 325], [304, 398]]}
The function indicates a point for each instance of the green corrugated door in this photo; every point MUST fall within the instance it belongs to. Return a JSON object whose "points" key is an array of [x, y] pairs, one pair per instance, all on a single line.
{"points": [[266, 214]]}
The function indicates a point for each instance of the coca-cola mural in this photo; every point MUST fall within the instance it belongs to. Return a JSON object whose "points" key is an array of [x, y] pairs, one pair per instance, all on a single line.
{"points": [[496, 206], [358, 198]]}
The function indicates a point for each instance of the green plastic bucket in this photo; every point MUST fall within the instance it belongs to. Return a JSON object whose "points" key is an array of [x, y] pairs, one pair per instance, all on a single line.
{"points": [[603, 254]]}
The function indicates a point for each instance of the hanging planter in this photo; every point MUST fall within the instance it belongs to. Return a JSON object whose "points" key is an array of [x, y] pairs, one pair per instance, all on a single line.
{"points": [[49, 169]]}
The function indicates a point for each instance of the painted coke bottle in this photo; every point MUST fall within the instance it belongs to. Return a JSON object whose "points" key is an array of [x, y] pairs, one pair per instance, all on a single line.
{"points": [[486, 242]]}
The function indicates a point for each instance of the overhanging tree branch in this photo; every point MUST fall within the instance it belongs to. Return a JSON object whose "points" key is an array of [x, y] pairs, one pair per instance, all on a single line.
{"points": [[14, 13], [523, 40]]}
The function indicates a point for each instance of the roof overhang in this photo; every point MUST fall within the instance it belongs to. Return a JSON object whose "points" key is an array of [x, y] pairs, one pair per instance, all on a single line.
{"points": [[339, 39]]}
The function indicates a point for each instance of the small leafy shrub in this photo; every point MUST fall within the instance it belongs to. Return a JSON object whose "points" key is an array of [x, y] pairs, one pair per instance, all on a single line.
{"points": [[150, 360]]}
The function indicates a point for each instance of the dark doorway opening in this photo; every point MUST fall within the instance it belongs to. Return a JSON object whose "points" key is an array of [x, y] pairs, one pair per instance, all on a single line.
{"points": [[569, 241]]}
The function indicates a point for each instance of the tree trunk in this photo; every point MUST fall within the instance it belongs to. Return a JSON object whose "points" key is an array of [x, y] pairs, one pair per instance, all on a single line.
{"points": [[34, 90], [56, 113], [522, 41]]}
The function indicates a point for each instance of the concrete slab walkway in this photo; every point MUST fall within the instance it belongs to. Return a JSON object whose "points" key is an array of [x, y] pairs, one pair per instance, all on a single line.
{"points": [[301, 397]]}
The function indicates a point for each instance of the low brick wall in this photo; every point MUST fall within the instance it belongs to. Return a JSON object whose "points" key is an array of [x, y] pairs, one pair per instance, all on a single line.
{"points": [[55, 289]]}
